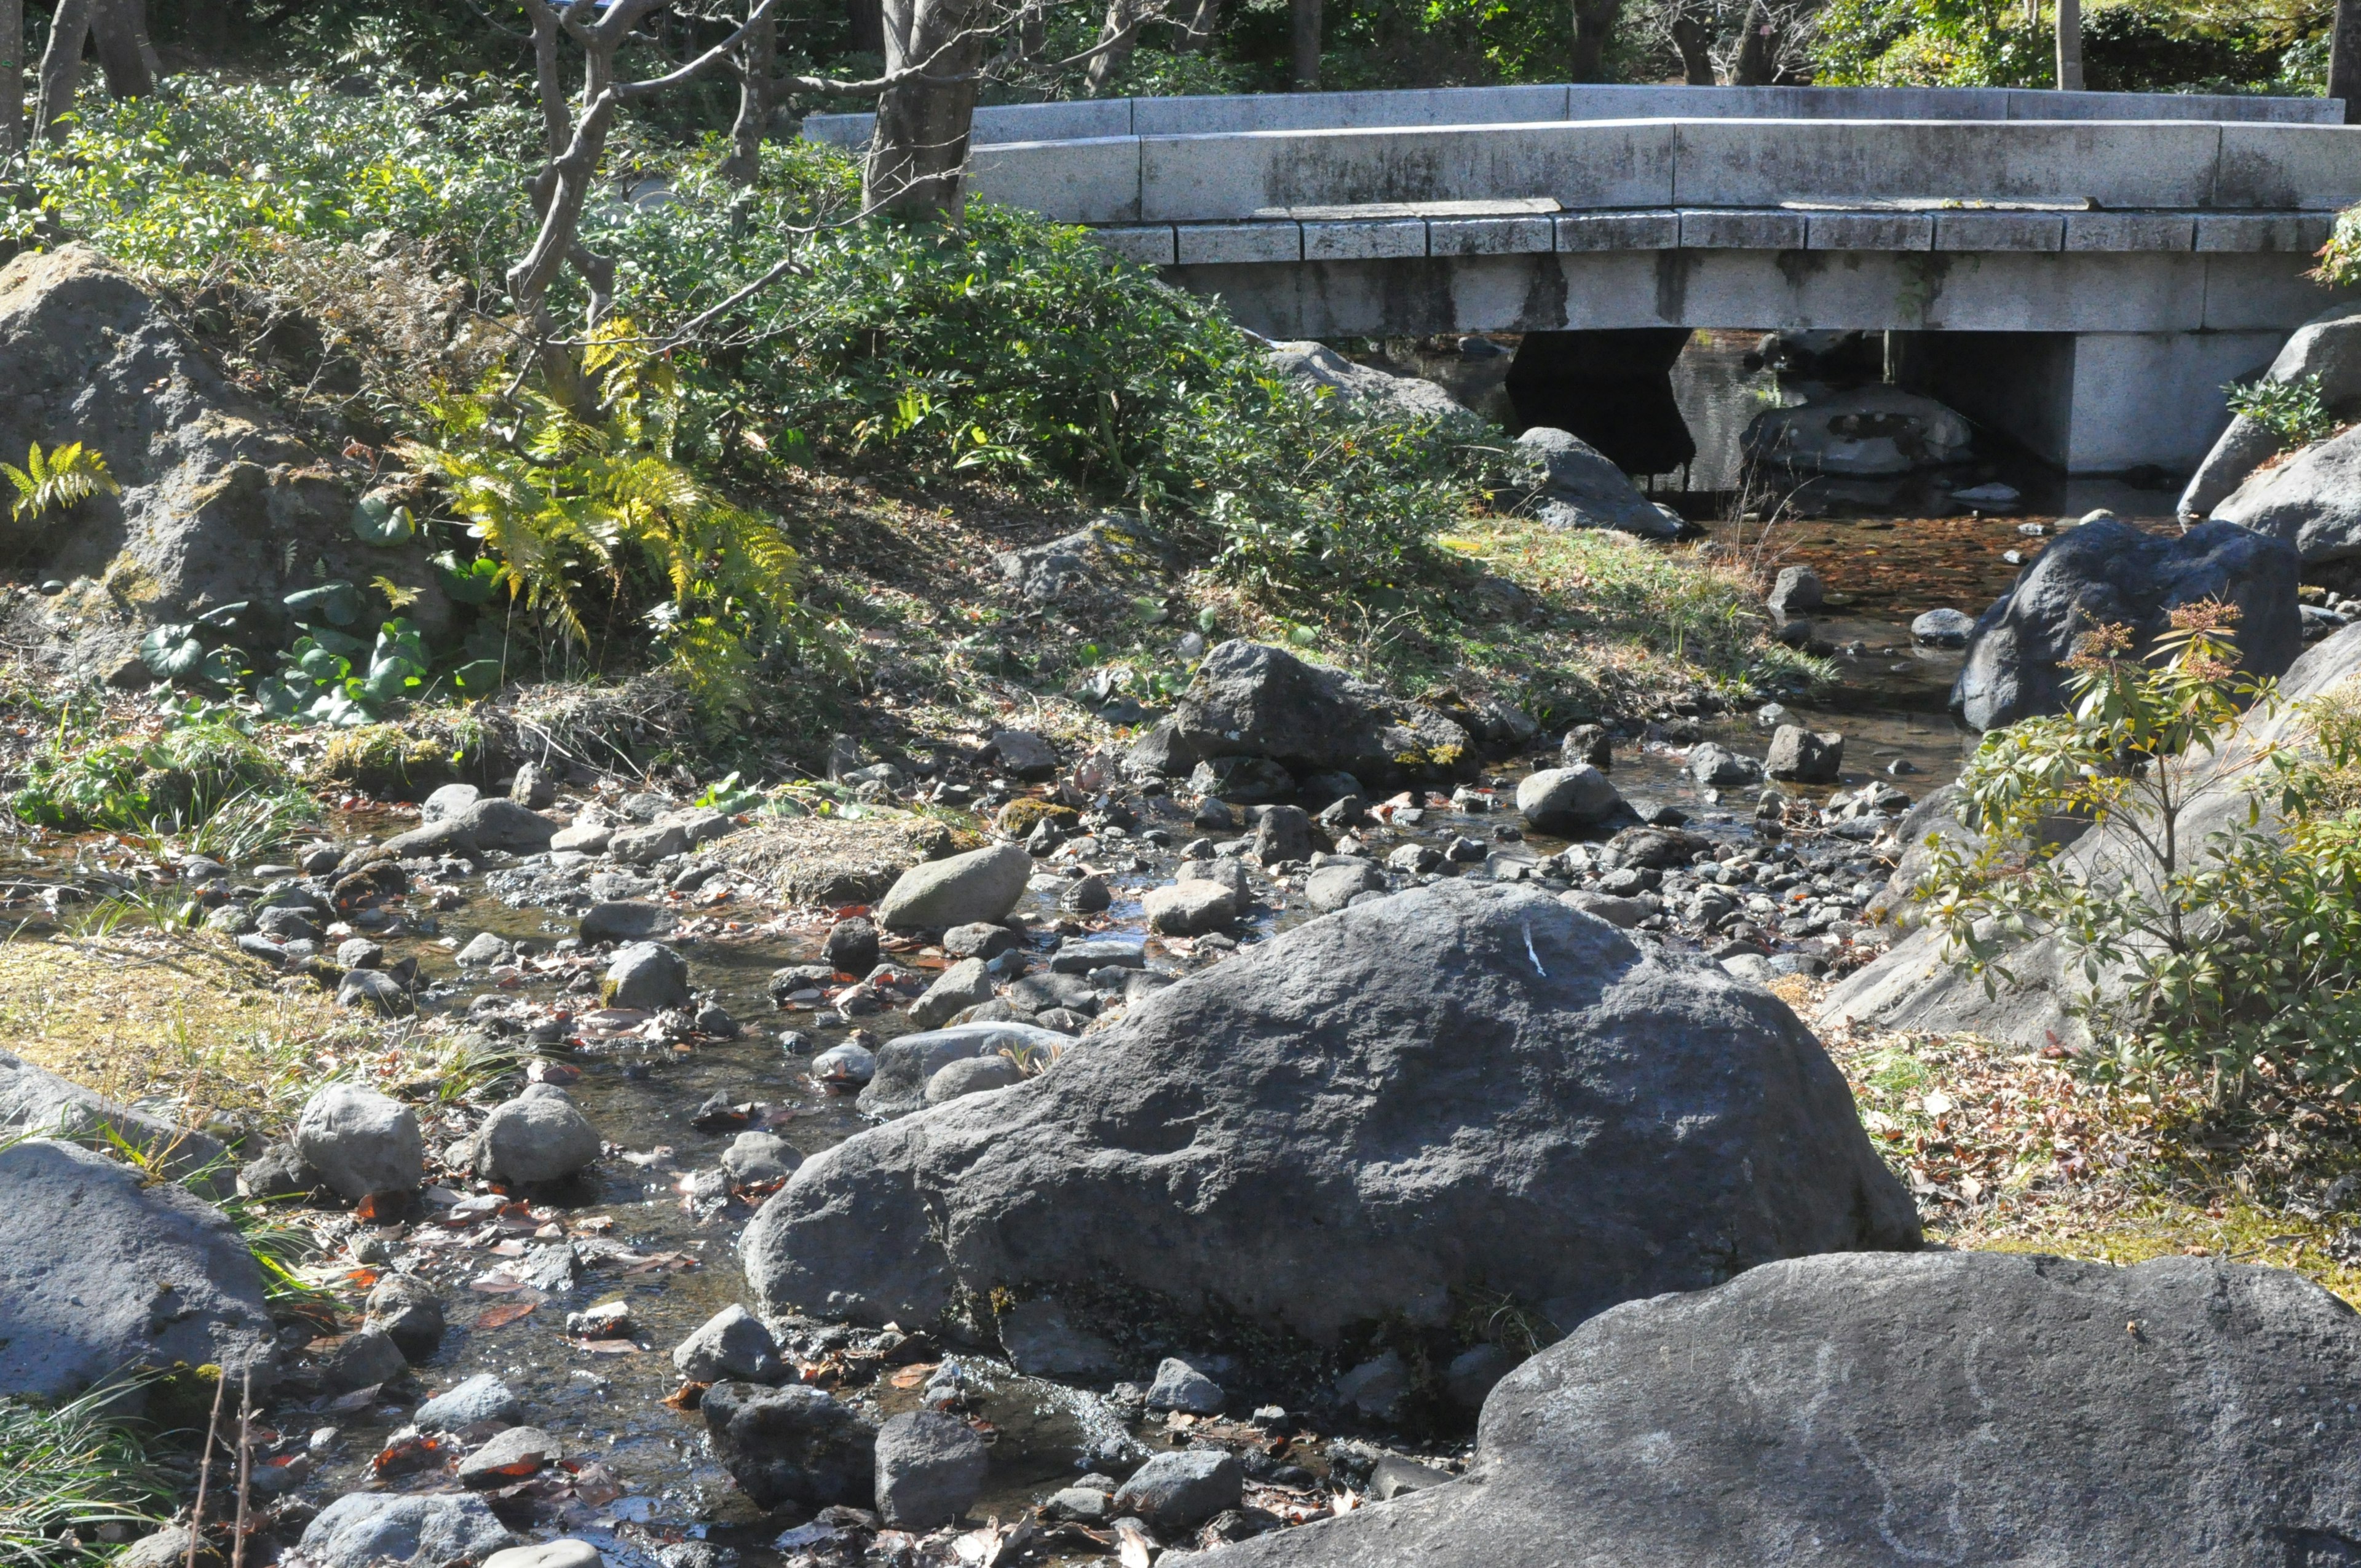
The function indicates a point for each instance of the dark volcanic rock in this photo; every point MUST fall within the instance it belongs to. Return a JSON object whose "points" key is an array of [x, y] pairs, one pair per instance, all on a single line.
{"points": [[1250, 699], [1464, 1082], [2109, 573], [1968, 1408], [793, 1444]]}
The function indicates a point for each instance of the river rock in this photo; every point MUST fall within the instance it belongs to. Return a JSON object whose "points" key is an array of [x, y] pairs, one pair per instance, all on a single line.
{"points": [[646, 845], [365, 1358], [731, 1345], [537, 1137], [1315, 365], [1716, 766], [795, 1444], [1282, 833], [1251, 700], [1565, 801], [447, 802], [1867, 431], [960, 986], [1215, 1149], [1798, 590], [647, 976], [755, 1157], [1191, 908], [555, 1554], [2107, 571], [847, 1065], [481, 829], [626, 920], [1942, 628], [372, 1529], [516, 1454], [2311, 503], [1799, 756], [360, 1142], [851, 946], [1842, 1409], [406, 1310], [36, 1102], [903, 1069], [2236, 453], [929, 1469], [1331, 888], [480, 1400], [981, 885], [1577, 486], [970, 1075], [377, 991], [1180, 1387], [1025, 755], [1175, 1492], [101, 1274]]}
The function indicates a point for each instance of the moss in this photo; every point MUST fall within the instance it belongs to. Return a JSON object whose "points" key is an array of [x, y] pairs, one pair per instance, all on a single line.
{"points": [[1019, 817], [415, 757]]}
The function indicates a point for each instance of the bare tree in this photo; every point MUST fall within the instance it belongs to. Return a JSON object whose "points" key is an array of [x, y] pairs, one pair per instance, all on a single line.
{"points": [[1594, 28], [1200, 18], [1118, 35], [61, 68]]}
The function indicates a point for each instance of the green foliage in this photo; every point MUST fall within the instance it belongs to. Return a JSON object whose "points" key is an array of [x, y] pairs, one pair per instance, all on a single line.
{"points": [[66, 477], [2235, 955], [2147, 46], [66, 1470], [2292, 411], [178, 781], [566, 505]]}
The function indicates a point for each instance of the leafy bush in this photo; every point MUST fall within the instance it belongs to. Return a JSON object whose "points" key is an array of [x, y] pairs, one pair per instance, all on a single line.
{"points": [[2237, 955], [2293, 411], [179, 778], [2148, 45]]}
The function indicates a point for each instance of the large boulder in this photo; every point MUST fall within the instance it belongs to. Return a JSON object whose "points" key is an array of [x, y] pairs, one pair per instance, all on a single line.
{"points": [[35, 1101], [371, 1530], [1315, 365], [1865, 433], [1577, 486], [1250, 699], [930, 1467], [2242, 447], [904, 1067], [1970, 1407], [795, 1444], [2327, 348], [1466, 1082], [1920, 985], [100, 1275], [222, 503], [981, 885], [360, 1141], [2107, 572], [2311, 502], [1568, 800], [538, 1138]]}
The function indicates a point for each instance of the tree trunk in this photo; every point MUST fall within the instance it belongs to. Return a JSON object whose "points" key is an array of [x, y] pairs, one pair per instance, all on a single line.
{"points": [[757, 63], [1305, 15], [61, 68], [1594, 28], [1693, 35], [1197, 35], [1758, 59], [2069, 46], [1119, 35], [120, 30], [864, 27], [12, 77], [919, 149], [2345, 60]]}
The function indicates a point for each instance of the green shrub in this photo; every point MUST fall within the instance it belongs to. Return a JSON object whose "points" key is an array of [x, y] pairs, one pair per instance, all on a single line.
{"points": [[2292, 411], [2237, 956], [176, 779]]}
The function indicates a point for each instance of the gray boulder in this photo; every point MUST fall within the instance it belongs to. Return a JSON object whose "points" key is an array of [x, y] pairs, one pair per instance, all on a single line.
{"points": [[1847, 1409], [904, 1067], [406, 1310], [1716, 766], [446, 803], [2327, 347], [509, 1456], [1282, 833], [360, 1142], [1025, 755], [981, 885], [1251, 700], [480, 1400], [1315, 365], [2107, 572], [970, 1075], [36, 1102], [625, 920], [646, 976], [2311, 502], [1577, 486], [1468, 1081], [100, 1275], [930, 1469], [376, 991], [1943, 627], [754, 1157], [1799, 756], [1798, 590], [1175, 1492], [1043, 1340], [957, 988], [731, 1345], [1868, 432], [488, 825], [1180, 1387], [1331, 888], [2236, 453], [537, 1137], [1192, 909], [371, 1530], [362, 1359], [1565, 801], [795, 1444]]}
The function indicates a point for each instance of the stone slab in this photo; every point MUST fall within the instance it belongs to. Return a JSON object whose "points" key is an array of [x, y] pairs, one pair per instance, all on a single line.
{"points": [[1618, 231], [2000, 231], [1716, 228], [1737, 163], [1094, 181], [2288, 166], [1346, 111], [1386, 238], [1150, 245], [1869, 231], [1200, 244], [1490, 237], [2285, 233], [2131, 231]]}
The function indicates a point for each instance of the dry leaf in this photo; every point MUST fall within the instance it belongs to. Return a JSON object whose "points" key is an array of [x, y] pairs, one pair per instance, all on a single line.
{"points": [[499, 1317], [914, 1377]]}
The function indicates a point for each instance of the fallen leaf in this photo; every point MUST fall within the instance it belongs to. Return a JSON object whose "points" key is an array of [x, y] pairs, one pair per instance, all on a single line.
{"points": [[499, 1317], [913, 1377]]}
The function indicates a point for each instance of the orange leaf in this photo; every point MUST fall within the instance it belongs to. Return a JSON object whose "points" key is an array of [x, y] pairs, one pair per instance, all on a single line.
{"points": [[912, 1377], [499, 1317]]}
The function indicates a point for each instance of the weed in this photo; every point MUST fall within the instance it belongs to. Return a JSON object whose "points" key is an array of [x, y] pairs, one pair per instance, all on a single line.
{"points": [[66, 477], [2294, 411], [68, 1470]]}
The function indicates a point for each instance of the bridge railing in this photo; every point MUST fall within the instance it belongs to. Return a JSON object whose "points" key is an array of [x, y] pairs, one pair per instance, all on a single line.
{"points": [[1515, 105]]}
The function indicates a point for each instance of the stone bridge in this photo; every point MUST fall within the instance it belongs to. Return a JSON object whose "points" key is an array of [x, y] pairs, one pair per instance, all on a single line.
{"points": [[2086, 270]]}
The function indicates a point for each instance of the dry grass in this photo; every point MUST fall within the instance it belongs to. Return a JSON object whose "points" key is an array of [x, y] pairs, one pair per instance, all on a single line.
{"points": [[830, 861]]}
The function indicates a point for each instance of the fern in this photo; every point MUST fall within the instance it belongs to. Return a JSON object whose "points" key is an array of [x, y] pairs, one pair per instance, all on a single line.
{"points": [[566, 505], [66, 477]]}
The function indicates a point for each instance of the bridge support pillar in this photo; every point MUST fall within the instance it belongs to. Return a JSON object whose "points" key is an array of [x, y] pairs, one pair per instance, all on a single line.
{"points": [[2099, 402]]}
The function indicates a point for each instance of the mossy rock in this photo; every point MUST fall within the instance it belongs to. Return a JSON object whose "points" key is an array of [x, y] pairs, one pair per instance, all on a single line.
{"points": [[1019, 817], [394, 762]]}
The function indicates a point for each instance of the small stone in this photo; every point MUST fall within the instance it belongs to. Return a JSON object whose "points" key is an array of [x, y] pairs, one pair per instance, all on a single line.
{"points": [[1087, 895], [406, 1310], [1942, 628], [549, 1554], [484, 949], [535, 1138], [733, 1343], [646, 976], [978, 940], [1190, 908], [960, 987], [605, 1320], [508, 1457], [533, 789], [625, 920], [1798, 755], [1180, 1387], [851, 946], [714, 1020], [1175, 1492], [360, 1142], [1798, 588], [846, 1066], [792, 1444], [1375, 1387], [1566, 800], [362, 1359], [480, 1400], [452, 800], [1025, 755], [754, 1158], [930, 1469], [360, 952]]}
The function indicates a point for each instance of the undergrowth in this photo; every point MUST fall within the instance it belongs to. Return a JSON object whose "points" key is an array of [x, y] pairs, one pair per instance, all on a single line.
{"points": [[68, 1470]]}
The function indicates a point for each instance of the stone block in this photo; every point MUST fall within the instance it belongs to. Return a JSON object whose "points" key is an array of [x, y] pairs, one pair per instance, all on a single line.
{"points": [[2131, 231], [2282, 167], [1740, 164], [1147, 244], [1344, 111], [1760, 229], [1095, 180], [1198, 244], [2000, 231], [1869, 231], [2295, 234], [1490, 237], [1373, 239], [1618, 231]]}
